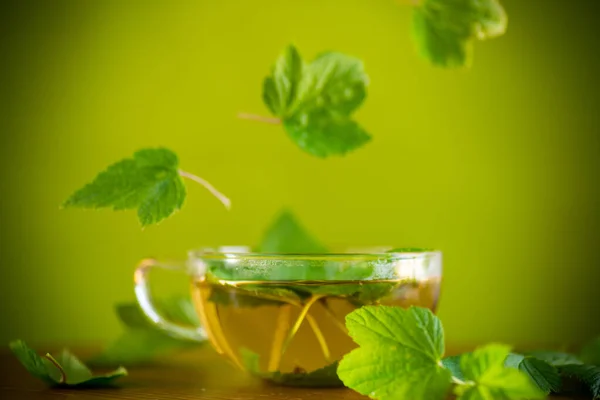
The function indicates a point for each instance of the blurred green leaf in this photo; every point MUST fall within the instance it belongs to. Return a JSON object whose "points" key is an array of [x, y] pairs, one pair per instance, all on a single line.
{"points": [[590, 354], [287, 235], [487, 377], [452, 363], [587, 374], [555, 358], [444, 30], [544, 375], [64, 370], [142, 341]]}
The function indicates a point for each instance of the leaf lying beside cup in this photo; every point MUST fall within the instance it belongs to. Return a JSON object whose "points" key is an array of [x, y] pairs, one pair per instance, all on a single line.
{"points": [[63, 370]]}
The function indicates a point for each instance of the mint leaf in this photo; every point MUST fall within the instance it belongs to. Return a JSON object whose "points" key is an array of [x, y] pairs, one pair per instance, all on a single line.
{"points": [[142, 341], [321, 132], [323, 377], [315, 101], [138, 347], [555, 358], [287, 235], [486, 377], [399, 356], [590, 354], [452, 363], [279, 89], [149, 182], [544, 375], [64, 370], [587, 374], [444, 31]]}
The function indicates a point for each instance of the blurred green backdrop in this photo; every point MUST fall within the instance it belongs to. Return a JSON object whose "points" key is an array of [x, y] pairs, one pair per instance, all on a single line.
{"points": [[497, 166]]}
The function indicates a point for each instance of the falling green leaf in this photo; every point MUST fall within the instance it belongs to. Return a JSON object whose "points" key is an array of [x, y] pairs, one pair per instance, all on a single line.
{"points": [[444, 30], [64, 370], [315, 101], [148, 182]]}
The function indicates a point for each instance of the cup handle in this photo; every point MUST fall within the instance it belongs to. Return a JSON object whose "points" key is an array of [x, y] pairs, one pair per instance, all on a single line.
{"points": [[142, 292]]}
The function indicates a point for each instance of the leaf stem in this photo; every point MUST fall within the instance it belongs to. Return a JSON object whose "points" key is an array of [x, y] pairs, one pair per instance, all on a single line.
{"points": [[320, 337], [298, 322], [63, 376], [260, 118], [222, 198], [283, 323]]}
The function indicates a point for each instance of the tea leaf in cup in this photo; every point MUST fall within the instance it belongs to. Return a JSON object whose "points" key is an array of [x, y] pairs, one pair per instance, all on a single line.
{"points": [[150, 182], [322, 377], [64, 370]]}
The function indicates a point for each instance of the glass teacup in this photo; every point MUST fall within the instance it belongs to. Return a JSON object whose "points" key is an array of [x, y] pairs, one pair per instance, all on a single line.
{"points": [[283, 314]]}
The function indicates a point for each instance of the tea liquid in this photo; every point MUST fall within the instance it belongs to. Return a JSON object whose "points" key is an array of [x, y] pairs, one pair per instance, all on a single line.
{"points": [[291, 333]]}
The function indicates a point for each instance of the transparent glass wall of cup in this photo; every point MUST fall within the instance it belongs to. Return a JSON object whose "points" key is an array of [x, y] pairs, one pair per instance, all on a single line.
{"points": [[286, 312]]}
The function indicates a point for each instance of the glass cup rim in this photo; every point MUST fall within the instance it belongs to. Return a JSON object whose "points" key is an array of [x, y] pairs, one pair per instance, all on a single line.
{"points": [[214, 254]]}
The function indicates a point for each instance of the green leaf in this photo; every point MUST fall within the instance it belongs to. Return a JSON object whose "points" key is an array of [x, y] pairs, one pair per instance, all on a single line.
{"points": [[335, 82], [487, 378], [287, 235], [323, 377], [142, 341], [555, 358], [590, 354], [322, 132], [544, 375], [279, 89], [587, 374], [315, 101], [65, 370], [444, 30], [452, 363], [139, 346], [148, 182], [399, 355]]}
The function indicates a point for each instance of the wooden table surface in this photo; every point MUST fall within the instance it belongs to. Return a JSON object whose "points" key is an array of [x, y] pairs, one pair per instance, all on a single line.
{"points": [[200, 375]]}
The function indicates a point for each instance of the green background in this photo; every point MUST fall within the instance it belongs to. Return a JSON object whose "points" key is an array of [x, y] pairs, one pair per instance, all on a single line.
{"points": [[497, 166]]}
